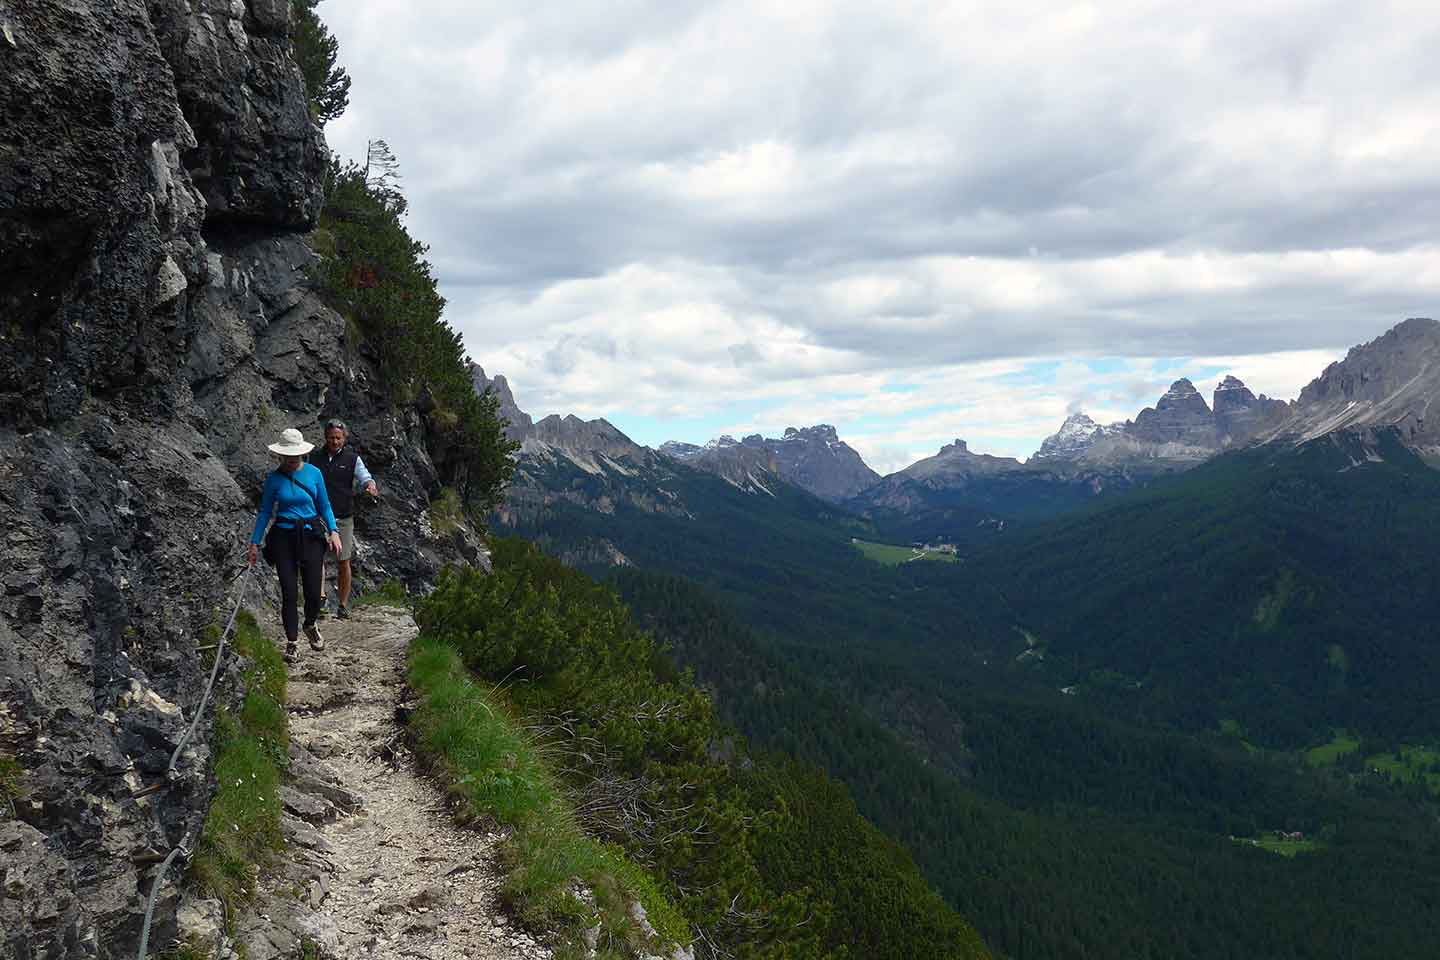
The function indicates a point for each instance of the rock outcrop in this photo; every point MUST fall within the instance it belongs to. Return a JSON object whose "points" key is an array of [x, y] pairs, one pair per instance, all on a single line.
{"points": [[156, 333]]}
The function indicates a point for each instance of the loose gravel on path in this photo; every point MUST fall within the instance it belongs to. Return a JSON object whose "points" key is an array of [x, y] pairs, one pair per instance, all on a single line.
{"points": [[377, 867]]}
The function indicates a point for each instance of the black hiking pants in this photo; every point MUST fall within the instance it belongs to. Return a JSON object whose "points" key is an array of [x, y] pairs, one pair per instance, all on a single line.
{"points": [[298, 553]]}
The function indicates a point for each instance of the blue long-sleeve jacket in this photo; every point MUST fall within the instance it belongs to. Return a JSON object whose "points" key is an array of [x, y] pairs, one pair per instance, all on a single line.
{"points": [[294, 502]]}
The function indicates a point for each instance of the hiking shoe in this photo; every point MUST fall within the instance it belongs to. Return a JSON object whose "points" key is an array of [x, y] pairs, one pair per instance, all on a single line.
{"points": [[292, 652], [343, 613], [317, 642]]}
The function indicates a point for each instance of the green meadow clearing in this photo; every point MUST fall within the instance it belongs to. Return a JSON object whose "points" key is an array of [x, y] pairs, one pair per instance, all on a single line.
{"points": [[1408, 764], [892, 555]]}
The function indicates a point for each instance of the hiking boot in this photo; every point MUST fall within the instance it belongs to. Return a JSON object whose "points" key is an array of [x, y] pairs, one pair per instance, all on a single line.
{"points": [[292, 652], [343, 613], [317, 642]]}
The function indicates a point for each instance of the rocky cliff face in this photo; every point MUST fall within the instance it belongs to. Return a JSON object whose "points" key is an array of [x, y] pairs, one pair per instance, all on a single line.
{"points": [[1392, 381], [812, 458], [159, 159]]}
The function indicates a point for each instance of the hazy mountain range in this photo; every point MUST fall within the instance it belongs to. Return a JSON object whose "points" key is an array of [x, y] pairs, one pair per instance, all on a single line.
{"points": [[1391, 381]]}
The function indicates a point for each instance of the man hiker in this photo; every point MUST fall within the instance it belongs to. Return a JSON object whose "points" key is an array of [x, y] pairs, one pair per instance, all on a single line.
{"points": [[344, 474]]}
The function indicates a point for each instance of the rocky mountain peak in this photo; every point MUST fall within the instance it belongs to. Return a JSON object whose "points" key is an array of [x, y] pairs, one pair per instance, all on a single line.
{"points": [[1393, 380], [520, 423], [1240, 415], [812, 458], [822, 432], [1181, 417], [680, 450], [956, 448], [1182, 394], [1076, 434]]}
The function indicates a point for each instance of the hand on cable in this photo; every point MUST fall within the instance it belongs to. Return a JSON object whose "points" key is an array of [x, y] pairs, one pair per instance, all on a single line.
{"points": [[335, 543]]}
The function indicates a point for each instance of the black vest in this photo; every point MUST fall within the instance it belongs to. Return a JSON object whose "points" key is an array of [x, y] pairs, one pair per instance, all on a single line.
{"points": [[339, 472]]}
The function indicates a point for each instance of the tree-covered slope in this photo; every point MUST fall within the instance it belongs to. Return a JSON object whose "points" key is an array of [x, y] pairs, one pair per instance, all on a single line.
{"points": [[1064, 832], [991, 715], [1278, 591], [764, 857]]}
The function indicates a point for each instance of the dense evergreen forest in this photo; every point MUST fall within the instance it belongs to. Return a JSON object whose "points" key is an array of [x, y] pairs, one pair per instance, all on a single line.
{"points": [[1077, 729]]}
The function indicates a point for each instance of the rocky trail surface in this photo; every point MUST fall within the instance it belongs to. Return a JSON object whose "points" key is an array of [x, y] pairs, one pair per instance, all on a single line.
{"points": [[376, 866]]}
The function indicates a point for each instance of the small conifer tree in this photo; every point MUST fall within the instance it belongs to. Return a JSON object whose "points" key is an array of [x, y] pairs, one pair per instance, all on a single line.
{"points": [[316, 52]]}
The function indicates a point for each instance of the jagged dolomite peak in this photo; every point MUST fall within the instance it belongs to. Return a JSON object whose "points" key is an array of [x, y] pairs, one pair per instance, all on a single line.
{"points": [[812, 458], [519, 425], [1240, 415], [1181, 416]]}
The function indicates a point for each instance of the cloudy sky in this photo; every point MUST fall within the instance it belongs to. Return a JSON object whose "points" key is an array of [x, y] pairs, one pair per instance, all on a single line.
{"points": [[916, 221]]}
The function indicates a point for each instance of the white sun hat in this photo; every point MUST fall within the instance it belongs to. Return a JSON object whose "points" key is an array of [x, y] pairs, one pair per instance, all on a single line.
{"points": [[292, 444]]}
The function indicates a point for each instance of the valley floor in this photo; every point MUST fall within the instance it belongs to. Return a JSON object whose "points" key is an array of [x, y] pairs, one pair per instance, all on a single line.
{"points": [[378, 868]]}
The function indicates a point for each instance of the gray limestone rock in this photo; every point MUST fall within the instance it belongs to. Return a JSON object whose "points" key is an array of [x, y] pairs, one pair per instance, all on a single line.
{"points": [[144, 364]]}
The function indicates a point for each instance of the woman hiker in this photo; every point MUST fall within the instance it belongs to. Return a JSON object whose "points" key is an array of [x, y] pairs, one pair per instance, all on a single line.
{"points": [[304, 527]]}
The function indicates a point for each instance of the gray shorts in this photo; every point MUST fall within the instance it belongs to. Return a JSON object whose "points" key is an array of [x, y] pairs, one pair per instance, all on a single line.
{"points": [[346, 528]]}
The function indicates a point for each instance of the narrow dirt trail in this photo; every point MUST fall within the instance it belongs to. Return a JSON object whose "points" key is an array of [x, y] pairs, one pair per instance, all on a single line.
{"points": [[377, 868]]}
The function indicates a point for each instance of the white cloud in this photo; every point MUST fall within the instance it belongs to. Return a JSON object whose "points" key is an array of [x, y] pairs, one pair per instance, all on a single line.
{"points": [[768, 214]]}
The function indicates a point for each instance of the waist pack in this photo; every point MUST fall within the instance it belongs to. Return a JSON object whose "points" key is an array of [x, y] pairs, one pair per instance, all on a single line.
{"points": [[313, 527]]}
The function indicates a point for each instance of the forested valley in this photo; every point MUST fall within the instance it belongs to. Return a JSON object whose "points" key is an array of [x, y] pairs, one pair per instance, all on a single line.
{"points": [[1091, 733]]}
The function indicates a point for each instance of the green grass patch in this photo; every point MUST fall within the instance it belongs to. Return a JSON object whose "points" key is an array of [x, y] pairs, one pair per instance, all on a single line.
{"points": [[1288, 848], [391, 593], [447, 513], [242, 827], [190, 950], [1410, 764], [481, 753], [1327, 754], [892, 555], [11, 789]]}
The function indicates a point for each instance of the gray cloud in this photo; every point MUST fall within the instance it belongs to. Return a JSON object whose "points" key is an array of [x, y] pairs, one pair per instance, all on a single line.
{"points": [[832, 188]]}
